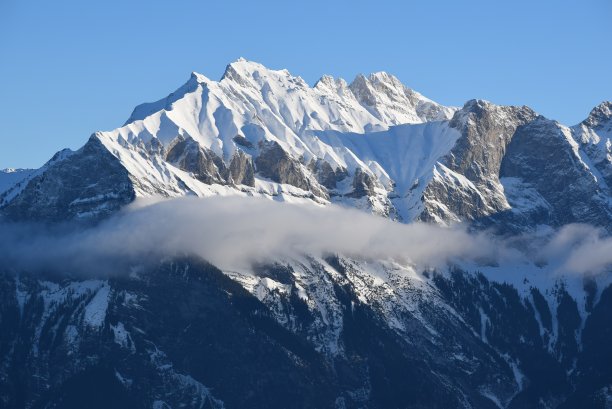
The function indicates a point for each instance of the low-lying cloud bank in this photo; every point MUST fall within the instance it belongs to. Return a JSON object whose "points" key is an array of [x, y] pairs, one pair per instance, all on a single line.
{"points": [[578, 248], [234, 233]]}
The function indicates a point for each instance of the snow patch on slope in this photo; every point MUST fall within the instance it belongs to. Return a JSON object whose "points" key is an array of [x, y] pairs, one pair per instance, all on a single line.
{"points": [[95, 311], [402, 158], [10, 177]]}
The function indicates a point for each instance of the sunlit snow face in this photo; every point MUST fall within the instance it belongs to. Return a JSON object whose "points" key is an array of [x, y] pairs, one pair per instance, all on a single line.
{"points": [[234, 233]]}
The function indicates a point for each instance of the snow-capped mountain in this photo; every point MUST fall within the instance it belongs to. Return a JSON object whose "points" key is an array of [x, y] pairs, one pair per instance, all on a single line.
{"points": [[374, 144], [312, 331]]}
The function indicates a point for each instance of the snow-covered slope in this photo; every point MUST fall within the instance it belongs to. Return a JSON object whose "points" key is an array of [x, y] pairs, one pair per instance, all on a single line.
{"points": [[10, 177], [253, 108], [402, 160], [265, 132], [594, 135], [373, 144]]}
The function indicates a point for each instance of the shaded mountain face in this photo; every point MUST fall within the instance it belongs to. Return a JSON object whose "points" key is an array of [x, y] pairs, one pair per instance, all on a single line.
{"points": [[89, 183], [310, 333], [317, 332]]}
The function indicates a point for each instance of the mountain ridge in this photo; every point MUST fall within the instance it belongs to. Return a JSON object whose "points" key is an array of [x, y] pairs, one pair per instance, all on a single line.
{"points": [[192, 140]]}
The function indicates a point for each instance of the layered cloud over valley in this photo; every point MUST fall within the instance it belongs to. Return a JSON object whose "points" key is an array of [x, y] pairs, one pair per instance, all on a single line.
{"points": [[234, 233]]}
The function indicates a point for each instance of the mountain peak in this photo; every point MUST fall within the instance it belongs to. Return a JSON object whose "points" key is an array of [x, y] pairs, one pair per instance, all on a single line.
{"points": [[360, 79], [476, 103], [480, 105], [388, 99], [600, 115], [142, 111], [384, 77], [476, 109], [362, 88], [245, 72], [244, 65], [331, 84], [199, 78], [234, 71], [325, 80]]}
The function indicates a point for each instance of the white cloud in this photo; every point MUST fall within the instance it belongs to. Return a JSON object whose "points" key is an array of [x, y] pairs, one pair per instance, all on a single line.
{"points": [[579, 248], [236, 232]]}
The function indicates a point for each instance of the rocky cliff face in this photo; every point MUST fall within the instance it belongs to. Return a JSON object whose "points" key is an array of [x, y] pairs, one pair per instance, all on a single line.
{"points": [[467, 183], [543, 147], [385, 97], [276, 164], [512, 168]]}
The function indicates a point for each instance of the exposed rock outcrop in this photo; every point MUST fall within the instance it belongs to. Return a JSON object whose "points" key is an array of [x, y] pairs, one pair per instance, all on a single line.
{"points": [[363, 184], [241, 169], [277, 165], [207, 167]]}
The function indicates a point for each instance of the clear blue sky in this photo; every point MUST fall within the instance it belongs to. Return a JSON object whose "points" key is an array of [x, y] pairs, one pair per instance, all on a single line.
{"points": [[69, 68]]}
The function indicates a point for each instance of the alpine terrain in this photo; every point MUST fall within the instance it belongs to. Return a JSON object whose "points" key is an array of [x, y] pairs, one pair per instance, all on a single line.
{"points": [[316, 329]]}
